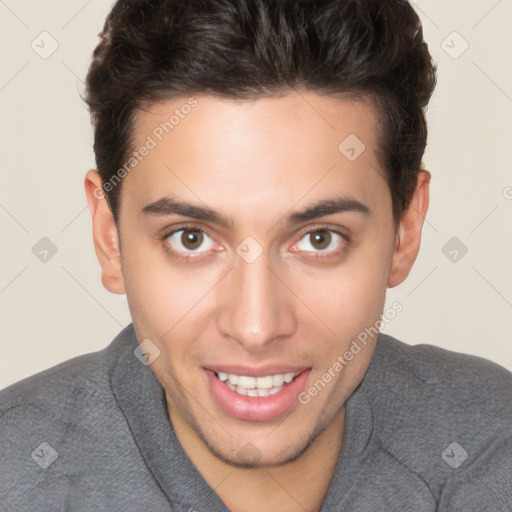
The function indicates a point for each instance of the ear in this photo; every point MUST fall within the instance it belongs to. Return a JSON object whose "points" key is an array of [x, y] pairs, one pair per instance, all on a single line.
{"points": [[106, 237], [408, 235]]}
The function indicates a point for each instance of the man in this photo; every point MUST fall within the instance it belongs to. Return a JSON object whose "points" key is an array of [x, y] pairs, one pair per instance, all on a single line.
{"points": [[259, 187]]}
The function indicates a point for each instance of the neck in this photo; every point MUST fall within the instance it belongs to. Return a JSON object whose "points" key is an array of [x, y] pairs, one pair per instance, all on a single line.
{"points": [[288, 486]]}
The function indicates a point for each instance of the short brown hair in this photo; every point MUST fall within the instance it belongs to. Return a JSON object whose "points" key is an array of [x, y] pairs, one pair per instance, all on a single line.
{"points": [[151, 50]]}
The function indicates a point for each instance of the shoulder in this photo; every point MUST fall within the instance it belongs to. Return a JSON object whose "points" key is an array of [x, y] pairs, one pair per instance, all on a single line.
{"points": [[455, 376], [445, 389], [445, 415], [65, 439], [59, 389], [443, 379]]}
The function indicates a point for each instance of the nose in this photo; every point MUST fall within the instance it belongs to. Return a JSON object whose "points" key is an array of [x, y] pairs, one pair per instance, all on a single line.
{"points": [[255, 306]]}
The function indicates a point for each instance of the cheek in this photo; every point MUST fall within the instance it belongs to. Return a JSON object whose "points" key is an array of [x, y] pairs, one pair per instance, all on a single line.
{"points": [[155, 293], [350, 297], [361, 293], [167, 300]]}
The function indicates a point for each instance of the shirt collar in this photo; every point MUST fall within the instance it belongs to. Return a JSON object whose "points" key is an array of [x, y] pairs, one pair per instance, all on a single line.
{"points": [[142, 399]]}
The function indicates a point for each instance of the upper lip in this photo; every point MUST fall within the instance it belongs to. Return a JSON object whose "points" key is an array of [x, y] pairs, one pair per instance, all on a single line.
{"points": [[260, 371]]}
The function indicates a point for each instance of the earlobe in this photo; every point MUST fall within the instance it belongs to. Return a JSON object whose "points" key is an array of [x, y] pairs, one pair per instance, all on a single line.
{"points": [[409, 231], [106, 237]]}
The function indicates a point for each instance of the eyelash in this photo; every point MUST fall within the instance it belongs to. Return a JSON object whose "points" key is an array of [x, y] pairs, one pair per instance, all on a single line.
{"points": [[333, 253], [315, 255]]}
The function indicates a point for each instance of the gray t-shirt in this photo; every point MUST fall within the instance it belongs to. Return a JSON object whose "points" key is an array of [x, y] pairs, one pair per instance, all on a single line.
{"points": [[426, 430]]}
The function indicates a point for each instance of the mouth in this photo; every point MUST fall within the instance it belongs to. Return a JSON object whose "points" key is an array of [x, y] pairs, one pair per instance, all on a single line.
{"points": [[256, 386], [256, 398]]}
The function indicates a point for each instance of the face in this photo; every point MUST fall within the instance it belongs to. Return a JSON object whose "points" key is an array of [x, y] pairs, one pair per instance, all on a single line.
{"points": [[254, 251]]}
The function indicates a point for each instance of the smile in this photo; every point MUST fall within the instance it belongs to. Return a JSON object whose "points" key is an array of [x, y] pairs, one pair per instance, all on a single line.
{"points": [[256, 386], [254, 397]]}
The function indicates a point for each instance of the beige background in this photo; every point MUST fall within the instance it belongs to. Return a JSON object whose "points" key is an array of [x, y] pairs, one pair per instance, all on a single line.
{"points": [[54, 310]]}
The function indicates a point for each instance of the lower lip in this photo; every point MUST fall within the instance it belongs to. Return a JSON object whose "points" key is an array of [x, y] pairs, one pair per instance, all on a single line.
{"points": [[256, 408]]}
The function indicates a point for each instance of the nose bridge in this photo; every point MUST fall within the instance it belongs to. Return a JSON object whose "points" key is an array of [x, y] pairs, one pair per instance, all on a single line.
{"points": [[255, 308]]}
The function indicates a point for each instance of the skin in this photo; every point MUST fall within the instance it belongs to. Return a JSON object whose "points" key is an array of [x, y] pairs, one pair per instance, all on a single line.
{"points": [[256, 163]]}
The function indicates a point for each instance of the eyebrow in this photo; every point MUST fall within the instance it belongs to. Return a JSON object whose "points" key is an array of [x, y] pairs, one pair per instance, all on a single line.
{"points": [[169, 206]]}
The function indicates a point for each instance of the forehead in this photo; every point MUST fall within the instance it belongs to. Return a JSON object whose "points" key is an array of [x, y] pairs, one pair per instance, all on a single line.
{"points": [[244, 153], [299, 116]]}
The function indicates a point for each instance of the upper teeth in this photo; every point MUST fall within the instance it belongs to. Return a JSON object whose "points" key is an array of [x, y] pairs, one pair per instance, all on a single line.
{"points": [[267, 382]]}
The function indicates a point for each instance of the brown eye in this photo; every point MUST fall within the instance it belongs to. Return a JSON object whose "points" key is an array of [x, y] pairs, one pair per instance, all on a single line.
{"points": [[190, 240], [320, 240]]}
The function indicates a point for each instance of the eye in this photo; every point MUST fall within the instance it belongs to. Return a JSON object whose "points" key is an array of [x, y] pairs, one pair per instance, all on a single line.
{"points": [[320, 240], [189, 240]]}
